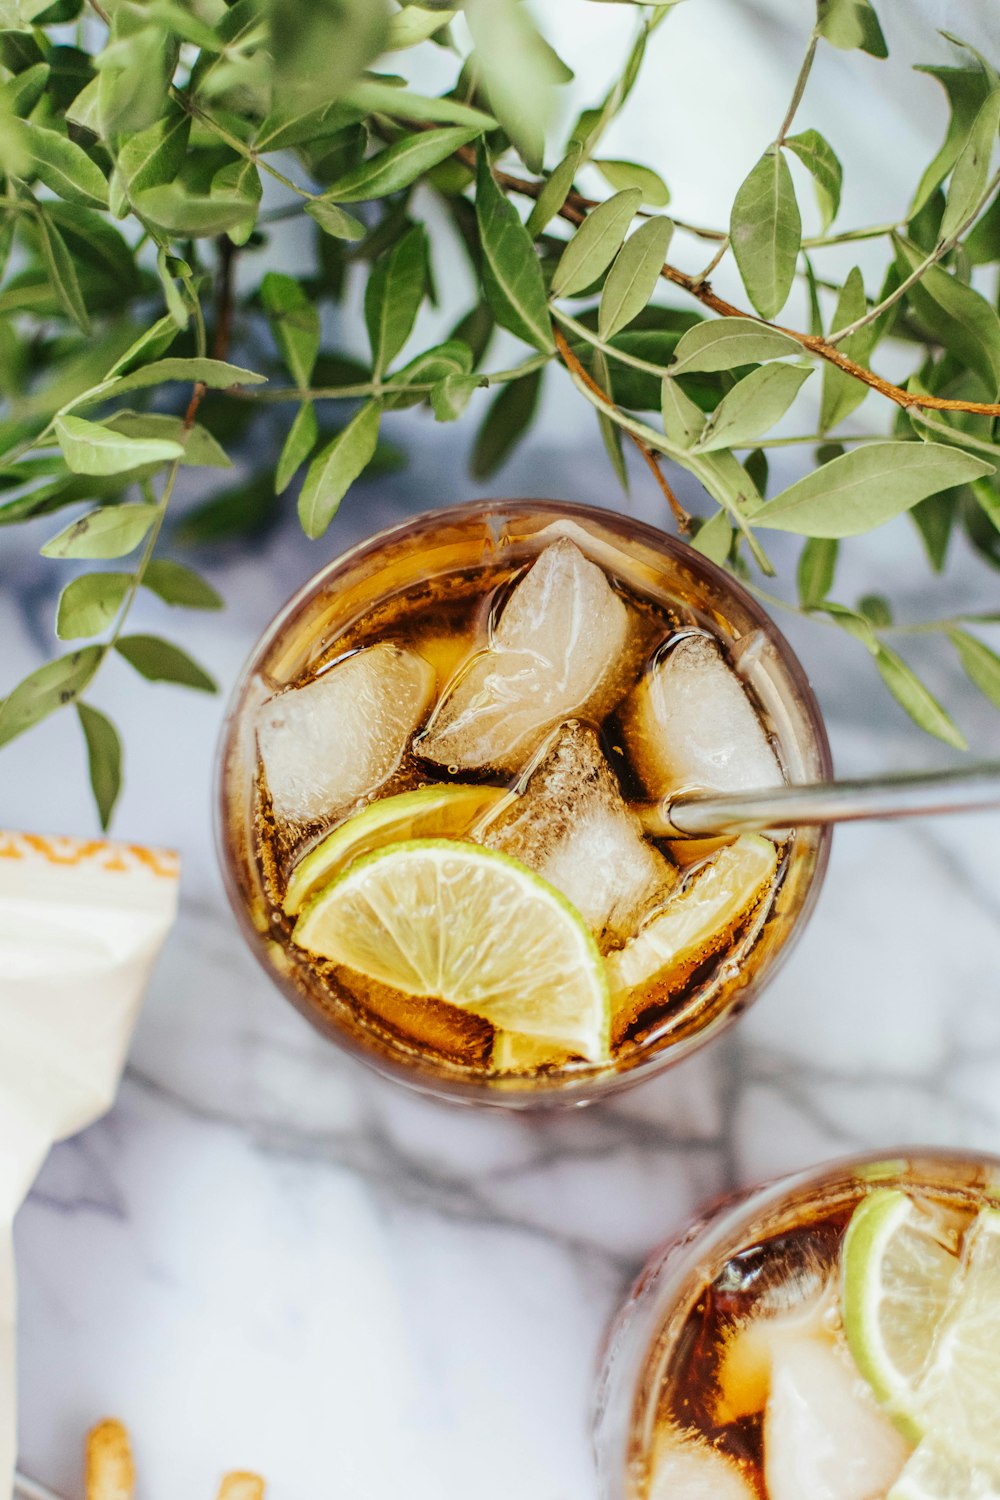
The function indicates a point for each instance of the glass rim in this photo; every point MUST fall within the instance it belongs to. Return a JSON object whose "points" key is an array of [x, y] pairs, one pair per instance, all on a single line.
{"points": [[555, 1091]]}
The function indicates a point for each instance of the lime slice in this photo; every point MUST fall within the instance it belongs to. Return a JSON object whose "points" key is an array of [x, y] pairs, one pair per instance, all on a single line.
{"points": [[897, 1278], [429, 812], [932, 1475], [513, 1052], [470, 926], [698, 916], [959, 1395]]}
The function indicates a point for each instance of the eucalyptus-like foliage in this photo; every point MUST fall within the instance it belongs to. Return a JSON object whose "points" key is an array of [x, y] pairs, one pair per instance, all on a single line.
{"points": [[135, 140]]}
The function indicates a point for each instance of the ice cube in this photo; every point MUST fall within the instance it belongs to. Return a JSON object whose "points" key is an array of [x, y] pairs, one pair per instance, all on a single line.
{"points": [[744, 1377], [572, 826], [689, 724], [342, 735], [825, 1436], [554, 653], [686, 1467]]}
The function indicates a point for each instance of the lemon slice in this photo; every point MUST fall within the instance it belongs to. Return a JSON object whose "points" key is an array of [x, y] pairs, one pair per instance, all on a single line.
{"points": [[464, 924], [897, 1279], [429, 812], [694, 919]]}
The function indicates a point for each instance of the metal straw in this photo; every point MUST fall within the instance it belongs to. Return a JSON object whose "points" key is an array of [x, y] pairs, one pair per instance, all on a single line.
{"points": [[908, 795]]}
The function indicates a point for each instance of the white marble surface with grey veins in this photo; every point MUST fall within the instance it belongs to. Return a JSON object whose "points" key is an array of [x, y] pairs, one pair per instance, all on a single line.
{"points": [[266, 1256]]}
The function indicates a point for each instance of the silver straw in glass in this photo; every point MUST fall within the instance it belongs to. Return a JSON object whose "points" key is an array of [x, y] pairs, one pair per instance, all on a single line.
{"points": [[907, 795]]}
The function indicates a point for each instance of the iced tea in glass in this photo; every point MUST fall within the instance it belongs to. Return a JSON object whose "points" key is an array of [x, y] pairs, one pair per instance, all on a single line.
{"points": [[430, 796], [834, 1336]]}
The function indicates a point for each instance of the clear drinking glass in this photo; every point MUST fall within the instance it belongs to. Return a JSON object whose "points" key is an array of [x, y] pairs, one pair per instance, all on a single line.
{"points": [[660, 1356], [465, 552]]}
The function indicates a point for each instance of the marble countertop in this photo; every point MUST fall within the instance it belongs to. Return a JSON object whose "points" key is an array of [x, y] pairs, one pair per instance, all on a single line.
{"points": [[267, 1257]]}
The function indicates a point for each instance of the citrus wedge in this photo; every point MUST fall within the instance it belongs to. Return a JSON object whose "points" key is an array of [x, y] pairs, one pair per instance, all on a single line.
{"points": [[464, 924], [697, 917], [897, 1279], [429, 812], [931, 1475], [513, 1052], [959, 1394]]}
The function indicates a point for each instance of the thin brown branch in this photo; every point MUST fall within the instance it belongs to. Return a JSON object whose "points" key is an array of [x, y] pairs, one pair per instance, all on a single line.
{"points": [[575, 210], [223, 330], [571, 362]]}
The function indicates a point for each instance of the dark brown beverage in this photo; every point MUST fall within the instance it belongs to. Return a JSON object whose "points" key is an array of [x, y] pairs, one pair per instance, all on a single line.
{"points": [[522, 697]]}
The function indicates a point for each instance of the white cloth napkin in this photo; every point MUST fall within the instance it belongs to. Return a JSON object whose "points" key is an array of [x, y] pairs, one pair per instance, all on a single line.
{"points": [[81, 924]]}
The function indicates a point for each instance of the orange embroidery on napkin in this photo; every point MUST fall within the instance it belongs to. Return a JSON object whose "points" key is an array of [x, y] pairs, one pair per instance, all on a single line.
{"points": [[101, 853]]}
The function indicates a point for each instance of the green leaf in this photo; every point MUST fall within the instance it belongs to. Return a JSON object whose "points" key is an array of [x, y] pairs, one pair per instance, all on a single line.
{"points": [[179, 586], [934, 519], [65, 167], [240, 180], [867, 487], [980, 664], [399, 165], [982, 243], [967, 90], [988, 501], [104, 759], [20, 95], [854, 624], [683, 421], [508, 417], [300, 442], [629, 174], [972, 169], [162, 661], [611, 433], [178, 211], [416, 24], [111, 531], [512, 275], [150, 344], [714, 539], [216, 374], [450, 396], [90, 448], [842, 393], [393, 296], [728, 343], [553, 195], [596, 243], [634, 275], [50, 687], [320, 47], [61, 271], [753, 406], [199, 448], [333, 471], [956, 314], [294, 323], [821, 161], [851, 24], [336, 222], [88, 604], [766, 233], [519, 72], [427, 368], [378, 96], [877, 609], [817, 565], [911, 695]]}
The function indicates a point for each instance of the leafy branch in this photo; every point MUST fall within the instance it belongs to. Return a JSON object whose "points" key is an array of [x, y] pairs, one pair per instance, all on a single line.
{"points": [[133, 163]]}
